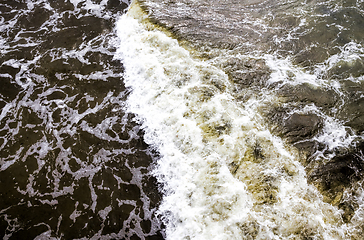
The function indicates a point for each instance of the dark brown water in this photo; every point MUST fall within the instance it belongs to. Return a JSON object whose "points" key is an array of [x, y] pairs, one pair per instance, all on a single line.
{"points": [[181, 119], [73, 161]]}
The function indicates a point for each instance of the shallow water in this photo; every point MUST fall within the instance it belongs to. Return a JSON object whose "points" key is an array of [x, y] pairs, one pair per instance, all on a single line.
{"points": [[250, 107], [181, 119]]}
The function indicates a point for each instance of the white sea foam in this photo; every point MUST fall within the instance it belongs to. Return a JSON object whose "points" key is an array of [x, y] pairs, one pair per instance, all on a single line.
{"points": [[286, 73], [334, 133], [224, 175], [349, 54]]}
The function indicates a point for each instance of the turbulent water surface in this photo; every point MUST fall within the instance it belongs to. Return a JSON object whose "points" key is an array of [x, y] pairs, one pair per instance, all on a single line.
{"points": [[181, 119], [73, 160]]}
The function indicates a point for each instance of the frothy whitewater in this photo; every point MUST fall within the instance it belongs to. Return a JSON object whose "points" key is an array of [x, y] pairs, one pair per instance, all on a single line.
{"points": [[182, 119], [224, 174]]}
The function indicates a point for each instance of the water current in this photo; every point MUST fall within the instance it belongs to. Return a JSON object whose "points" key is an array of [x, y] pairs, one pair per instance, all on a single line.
{"points": [[73, 161], [181, 119]]}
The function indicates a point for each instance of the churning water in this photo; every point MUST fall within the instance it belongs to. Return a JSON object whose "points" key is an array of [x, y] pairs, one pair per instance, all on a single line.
{"points": [[181, 119], [73, 160]]}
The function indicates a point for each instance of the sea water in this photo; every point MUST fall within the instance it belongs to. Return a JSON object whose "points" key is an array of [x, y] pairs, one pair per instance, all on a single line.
{"points": [[182, 119], [73, 161]]}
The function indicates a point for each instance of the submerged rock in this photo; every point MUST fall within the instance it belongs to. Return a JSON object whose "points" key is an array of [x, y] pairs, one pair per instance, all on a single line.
{"points": [[300, 126], [355, 114], [339, 172], [337, 176], [334, 176], [295, 127], [306, 94]]}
